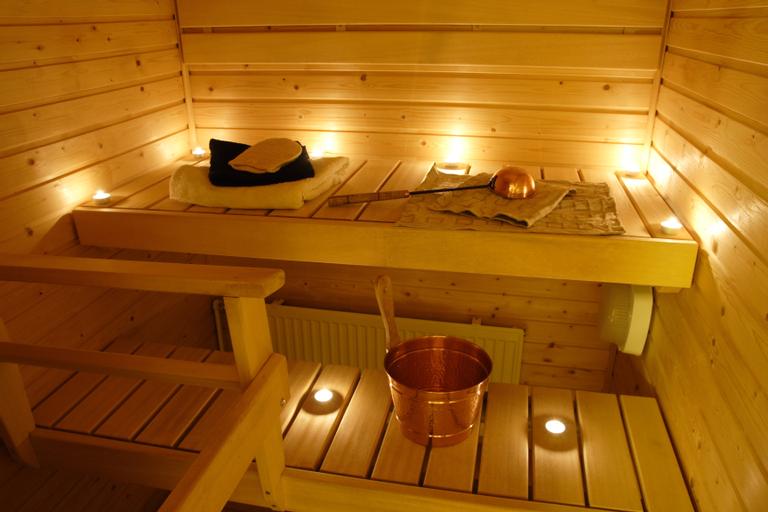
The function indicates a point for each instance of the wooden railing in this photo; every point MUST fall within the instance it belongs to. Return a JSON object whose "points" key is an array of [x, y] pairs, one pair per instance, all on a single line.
{"points": [[250, 429]]}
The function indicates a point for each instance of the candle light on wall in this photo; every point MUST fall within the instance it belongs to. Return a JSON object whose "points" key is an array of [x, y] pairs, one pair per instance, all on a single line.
{"points": [[101, 197], [671, 226], [452, 167]]}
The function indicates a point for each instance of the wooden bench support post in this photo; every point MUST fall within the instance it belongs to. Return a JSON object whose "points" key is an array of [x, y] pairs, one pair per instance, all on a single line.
{"points": [[16, 421], [249, 330], [270, 459]]}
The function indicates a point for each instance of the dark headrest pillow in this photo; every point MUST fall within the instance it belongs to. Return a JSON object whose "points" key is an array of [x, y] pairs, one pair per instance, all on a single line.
{"points": [[222, 174]]}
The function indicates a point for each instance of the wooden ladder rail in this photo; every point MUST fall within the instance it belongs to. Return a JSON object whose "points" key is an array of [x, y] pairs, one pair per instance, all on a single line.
{"points": [[250, 429]]}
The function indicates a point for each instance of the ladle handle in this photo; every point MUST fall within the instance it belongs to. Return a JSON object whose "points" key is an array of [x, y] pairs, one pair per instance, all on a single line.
{"points": [[384, 298], [364, 198]]}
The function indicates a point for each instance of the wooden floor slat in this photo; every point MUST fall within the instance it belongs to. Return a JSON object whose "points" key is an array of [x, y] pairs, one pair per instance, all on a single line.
{"points": [[196, 438], [355, 443], [453, 467], [126, 422], [301, 376], [608, 470], [97, 406], [312, 429], [75, 389], [662, 484], [399, 460], [505, 443], [179, 414], [556, 465]]}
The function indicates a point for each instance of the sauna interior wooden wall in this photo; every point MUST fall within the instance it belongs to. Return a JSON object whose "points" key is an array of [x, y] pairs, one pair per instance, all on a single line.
{"points": [[95, 93]]}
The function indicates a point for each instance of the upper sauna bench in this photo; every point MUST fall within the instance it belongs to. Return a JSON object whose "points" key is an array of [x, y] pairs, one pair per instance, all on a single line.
{"points": [[140, 215]]}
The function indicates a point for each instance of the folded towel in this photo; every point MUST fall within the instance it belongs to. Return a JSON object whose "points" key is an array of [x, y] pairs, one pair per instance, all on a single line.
{"points": [[190, 184], [222, 174], [268, 155], [484, 203]]}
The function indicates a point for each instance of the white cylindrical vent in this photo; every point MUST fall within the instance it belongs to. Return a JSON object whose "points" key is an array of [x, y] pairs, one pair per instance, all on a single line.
{"points": [[625, 316]]}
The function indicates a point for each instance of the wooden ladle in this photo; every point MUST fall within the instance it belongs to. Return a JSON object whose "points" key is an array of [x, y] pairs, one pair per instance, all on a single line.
{"points": [[384, 297], [508, 182]]}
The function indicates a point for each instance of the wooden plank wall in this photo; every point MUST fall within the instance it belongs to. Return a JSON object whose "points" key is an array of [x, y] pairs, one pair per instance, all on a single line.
{"points": [[91, 95], [707, 355], [557, 83], [561, 347]]}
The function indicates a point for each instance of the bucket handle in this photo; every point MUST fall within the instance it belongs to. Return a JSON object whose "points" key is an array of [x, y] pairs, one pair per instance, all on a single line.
{"points": [[384, 298]]}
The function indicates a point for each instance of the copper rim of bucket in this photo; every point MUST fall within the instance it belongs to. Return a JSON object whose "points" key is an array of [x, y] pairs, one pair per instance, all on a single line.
{"points": [[450, 346], [440, 381]]}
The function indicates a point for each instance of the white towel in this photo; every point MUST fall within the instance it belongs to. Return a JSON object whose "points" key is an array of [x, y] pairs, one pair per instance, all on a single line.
{"points": [[190, 184]]}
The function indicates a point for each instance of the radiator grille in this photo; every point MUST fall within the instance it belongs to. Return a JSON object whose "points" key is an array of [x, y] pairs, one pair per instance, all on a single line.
{"points": [[355, 339]]}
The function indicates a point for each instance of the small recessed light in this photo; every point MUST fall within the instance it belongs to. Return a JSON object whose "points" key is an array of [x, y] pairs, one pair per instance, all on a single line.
{"points": [[323, 395], [198, 151], [555, 426]]}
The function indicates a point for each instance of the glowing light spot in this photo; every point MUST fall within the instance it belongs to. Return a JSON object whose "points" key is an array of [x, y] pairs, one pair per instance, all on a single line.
{"points": [[556, 427], [101, 197], [199, 152], [323, 395], [671, 226]]}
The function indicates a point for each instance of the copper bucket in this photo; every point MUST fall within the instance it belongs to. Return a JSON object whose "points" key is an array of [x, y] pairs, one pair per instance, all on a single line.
{"points": [[437, 382]]}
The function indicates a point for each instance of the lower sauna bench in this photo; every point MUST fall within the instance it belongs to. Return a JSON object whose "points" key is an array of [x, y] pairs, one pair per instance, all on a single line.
{"points": [[615, 453]]}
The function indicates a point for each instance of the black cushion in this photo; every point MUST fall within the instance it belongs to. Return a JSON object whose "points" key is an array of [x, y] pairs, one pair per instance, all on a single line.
{"points": [[222, 174]]}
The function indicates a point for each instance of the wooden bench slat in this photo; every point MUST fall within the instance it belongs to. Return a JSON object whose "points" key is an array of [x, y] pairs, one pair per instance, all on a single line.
{"points": [[505, 443], [406, 177], [608, 470], [399, 460], [75, 389], [661, 482], [561, 173], [146, 197], [301, 376], [206, 209], [453, 467], [556, 466], [354, 445], [180, 413], [87, 415], [315, 204], [170, 205], [312, 430], [651, 207], [368, 179], [633, 224], [126, 422]]}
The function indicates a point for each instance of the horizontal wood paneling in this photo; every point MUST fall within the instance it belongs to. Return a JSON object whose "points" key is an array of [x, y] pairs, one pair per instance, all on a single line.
{"points": [[91, 95], [737, 38], [33, 45], [742, 149], [535, 85], [437, 147], [706, 355], [58, 82], [428, 47], [112, 8], [736, 92], [441, 120], [528, 12], [44, 163], [453, 88], [36, 126]]}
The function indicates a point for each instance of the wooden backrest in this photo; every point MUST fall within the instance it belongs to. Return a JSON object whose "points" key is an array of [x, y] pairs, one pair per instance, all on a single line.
{"points": [[249, 429]]}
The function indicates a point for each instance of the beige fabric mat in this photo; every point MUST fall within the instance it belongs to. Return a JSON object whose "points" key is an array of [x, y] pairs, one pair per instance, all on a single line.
{"points": [[587, 210]]}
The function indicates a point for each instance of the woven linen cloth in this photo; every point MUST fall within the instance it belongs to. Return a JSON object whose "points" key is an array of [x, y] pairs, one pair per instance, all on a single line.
{"points": [[582, 208]]}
